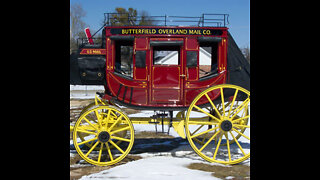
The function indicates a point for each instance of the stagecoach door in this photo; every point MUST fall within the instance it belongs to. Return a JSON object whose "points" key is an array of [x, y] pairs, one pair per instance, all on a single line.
{"points": [[166, 71]]}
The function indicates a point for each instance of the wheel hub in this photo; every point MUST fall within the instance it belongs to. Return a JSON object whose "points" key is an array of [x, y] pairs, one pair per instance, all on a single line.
{"points": [[226, 125], [104, 136]]}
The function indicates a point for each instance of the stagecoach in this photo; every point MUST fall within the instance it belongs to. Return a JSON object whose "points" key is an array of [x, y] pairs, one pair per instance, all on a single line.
{"points": [[194, 78]]}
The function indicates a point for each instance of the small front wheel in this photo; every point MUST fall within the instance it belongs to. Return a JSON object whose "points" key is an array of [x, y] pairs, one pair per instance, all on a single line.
{"points": [[103, 127]]}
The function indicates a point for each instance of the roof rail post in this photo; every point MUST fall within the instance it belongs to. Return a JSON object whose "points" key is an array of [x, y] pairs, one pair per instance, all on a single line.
{"points": [[202, 20], [108, 19], [165, 20]]}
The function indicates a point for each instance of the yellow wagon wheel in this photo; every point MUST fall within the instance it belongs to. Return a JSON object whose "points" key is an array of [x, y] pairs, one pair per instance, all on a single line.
{"points": [[103, 131], [224, 126], [92, 117]]}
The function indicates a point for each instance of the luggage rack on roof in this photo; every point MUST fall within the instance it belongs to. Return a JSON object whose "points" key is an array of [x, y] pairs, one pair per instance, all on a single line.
{"points": [[123, 19]]}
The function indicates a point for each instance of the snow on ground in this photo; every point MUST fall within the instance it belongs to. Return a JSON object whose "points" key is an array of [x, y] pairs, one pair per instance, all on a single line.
{"points": [[83, 87], [84, 92], [159, 167]]}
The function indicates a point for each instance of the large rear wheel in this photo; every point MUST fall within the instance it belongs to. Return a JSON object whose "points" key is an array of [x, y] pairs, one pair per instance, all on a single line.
{"points": [[220, 134]]}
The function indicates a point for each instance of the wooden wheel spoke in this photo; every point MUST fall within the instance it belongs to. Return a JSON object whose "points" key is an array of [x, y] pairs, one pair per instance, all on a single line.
{"points": [[204, 132], [100, 152], [85, 131], [246, 117], [217, 148], [222, 101], [241, 126], [234, 98], [116, 146], [241, 133], [98, 117], [197, 140], [197, 130], [228, 146], [109, 152], [121, 129], [215, 108], [90, 123], [240, 107], [235, 139], [114, 115], [205, 145], [108, 116], [83, 142], [245, 111], [120, 138], [204, 138], [210, 115], [111, 127], [92, 148]]}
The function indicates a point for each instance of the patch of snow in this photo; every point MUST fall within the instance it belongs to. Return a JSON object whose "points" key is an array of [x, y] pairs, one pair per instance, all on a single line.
{"points": [[155, 168], [84, 91], [84, 87], [82, 97], [229, 177]]}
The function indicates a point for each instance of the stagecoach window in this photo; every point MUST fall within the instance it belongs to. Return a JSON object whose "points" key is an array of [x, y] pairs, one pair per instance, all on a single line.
{"points": [[124, 57], [166, 55], [208, 59]]}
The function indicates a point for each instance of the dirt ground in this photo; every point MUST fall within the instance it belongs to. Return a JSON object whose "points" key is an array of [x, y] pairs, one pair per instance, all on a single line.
{"points": [[146, 142], [236, 171]]}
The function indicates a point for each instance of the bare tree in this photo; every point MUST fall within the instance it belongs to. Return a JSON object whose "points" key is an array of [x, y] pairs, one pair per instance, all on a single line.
{"points": [[77, 25], [124, 17], [130, 17], [145, 18]]}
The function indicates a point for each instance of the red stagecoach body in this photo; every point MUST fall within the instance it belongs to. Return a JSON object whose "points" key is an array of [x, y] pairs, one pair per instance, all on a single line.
{"points": [[162, 85], [134, 73]]}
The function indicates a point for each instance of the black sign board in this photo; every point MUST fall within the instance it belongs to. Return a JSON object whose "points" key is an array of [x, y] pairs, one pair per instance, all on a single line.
{"points": [[164, 31]]}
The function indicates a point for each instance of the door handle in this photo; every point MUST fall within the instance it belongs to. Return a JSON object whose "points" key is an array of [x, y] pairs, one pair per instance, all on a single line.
{"points": [[183, 75]]}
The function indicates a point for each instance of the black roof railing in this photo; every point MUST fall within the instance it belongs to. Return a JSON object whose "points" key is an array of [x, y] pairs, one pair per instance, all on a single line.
{"points": [[125, 19]]}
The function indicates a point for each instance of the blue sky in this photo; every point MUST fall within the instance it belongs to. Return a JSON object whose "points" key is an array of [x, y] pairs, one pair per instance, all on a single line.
{"points": [[238, 10]]}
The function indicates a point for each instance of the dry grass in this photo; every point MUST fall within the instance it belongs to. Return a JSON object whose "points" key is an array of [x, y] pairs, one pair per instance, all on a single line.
{"points": [[80, 102], [237, 171]]}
